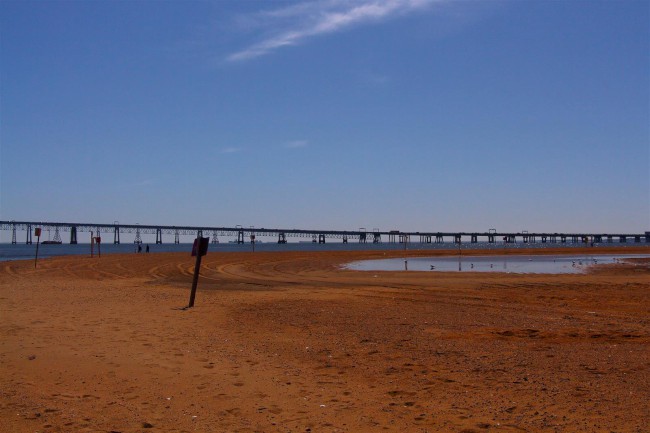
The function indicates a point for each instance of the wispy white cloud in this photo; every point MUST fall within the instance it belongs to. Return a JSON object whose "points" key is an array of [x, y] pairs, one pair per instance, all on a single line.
{"points": [[373, 79], [143, 183], [296, 144], [231, 150], [294, 24]]}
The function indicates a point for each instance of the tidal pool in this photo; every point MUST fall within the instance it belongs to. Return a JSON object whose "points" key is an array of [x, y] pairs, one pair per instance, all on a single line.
{"points": [[524, 264]]}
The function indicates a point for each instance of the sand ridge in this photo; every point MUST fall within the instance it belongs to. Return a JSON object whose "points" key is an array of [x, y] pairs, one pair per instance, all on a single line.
{"points": [[291, 342]]}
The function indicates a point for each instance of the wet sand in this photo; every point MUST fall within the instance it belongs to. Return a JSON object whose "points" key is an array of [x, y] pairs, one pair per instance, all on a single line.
{"points": [[291, 342]]}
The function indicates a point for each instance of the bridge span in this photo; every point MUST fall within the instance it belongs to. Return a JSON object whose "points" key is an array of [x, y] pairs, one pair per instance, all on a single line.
{"points": [[250, 234]]}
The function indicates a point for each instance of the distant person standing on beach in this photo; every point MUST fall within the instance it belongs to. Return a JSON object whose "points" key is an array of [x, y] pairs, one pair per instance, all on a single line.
{"points": [[147, 248]]}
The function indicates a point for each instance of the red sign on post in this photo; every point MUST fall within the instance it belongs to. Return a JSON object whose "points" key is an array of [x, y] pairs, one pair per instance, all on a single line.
{"points": [[37, 232]]}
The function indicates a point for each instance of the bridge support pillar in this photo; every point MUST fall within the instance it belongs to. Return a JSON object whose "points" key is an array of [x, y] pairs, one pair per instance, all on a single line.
{"points": [[491, 239], [73, 235], [362, 238], [345, 239], [457, 239], [57, 235], [13, 234], [321, 239], [376, 238], [138, 239], [29, 235], [116, 235], [543, 239], [240, 237], [282, 238], [215, 239], [404, 239], [177, 239], [474, 239], [563, 239], [622, 239], [439, 239], [158, 236]]}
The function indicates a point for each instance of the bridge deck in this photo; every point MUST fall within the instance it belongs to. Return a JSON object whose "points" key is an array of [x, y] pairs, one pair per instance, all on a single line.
{"points": [[361, 235]]}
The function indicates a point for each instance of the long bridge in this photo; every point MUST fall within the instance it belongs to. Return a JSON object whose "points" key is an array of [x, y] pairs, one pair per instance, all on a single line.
{"points": [[361, 235]]}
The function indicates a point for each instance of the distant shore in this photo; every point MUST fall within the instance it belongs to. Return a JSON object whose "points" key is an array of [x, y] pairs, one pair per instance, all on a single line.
{"points": [[26, 252]]}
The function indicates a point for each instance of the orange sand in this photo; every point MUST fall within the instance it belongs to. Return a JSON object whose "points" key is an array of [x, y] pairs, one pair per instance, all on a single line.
{"points": [[289, 342]]}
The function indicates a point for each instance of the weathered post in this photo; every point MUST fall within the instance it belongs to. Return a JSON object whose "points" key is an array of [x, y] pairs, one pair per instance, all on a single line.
{"points": [[199, 249], [37, 232]]}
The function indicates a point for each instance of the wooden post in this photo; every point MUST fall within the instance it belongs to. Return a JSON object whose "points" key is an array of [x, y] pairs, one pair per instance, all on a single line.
{"points": [[199, 249], [38, 241], [195, 281]]}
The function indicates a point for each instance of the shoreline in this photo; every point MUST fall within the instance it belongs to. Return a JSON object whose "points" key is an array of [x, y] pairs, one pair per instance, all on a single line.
{"points": [[521, 249], [10, 252]]}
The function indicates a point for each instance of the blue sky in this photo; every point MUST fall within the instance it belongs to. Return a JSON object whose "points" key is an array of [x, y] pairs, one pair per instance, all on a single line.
{"points": [[399, 114]]}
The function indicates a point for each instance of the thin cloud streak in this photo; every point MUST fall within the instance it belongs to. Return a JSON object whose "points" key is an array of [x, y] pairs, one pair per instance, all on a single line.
{"points": [[227, 150], [296, 144], [324, 17], [143, 183]]}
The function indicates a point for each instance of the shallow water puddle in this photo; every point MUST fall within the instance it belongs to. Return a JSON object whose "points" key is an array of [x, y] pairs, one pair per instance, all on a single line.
{"points": [[525, 264]]}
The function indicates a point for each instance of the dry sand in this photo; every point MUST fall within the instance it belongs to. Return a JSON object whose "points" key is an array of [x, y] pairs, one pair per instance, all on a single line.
{"points": [[290, 342]]}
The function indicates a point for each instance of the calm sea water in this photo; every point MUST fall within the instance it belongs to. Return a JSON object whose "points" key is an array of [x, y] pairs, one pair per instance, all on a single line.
{"points": [[26, 252]]}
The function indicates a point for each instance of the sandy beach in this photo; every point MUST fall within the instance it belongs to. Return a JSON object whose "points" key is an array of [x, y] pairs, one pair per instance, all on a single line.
{"points": [[292, 342]]}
